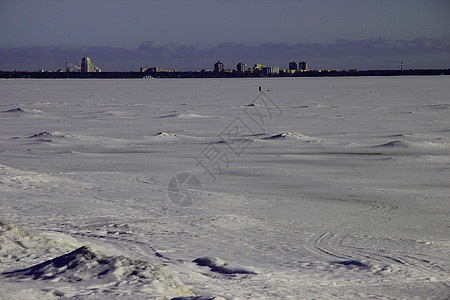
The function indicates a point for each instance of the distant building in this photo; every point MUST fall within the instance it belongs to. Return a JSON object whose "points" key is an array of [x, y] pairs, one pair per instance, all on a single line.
{"points": [[218, 67], [257, 67], [303, 66], [241, 67], [155, 70], [86, 65], [270, 70], [293, 65], [288, 71]]}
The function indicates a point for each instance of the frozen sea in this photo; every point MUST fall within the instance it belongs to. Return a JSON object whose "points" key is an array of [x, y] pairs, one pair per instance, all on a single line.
{"points": [[313, 188]]}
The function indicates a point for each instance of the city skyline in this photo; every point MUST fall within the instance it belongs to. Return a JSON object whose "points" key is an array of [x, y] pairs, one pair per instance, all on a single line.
{"points": [[86, 66]]}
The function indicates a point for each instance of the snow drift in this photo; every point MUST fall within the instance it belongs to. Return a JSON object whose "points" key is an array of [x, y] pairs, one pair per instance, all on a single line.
{"points": [[84, 268]]}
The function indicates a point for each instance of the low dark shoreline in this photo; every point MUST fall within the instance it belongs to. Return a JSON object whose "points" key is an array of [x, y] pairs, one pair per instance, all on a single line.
{"points": [[314, 73]]}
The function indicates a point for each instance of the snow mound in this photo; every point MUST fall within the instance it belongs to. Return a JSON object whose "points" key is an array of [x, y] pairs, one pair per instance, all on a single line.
{"points": [[394, 144], [165, 134], [209, 261], [85, 267], [352, 264], [263, 106], [218, 265], [399, 135], [46, 134], [16, 110], [292, 135], [440, 106], [18, 247], [191, 116], [415, 145], [82, 267], [186, 115]]}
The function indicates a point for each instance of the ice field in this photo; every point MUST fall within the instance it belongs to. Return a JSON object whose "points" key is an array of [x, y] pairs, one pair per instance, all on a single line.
{"points": [[314, 188]]}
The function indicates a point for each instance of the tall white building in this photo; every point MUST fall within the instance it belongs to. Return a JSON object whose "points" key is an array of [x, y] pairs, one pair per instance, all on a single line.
{"points": [[86, 65]]}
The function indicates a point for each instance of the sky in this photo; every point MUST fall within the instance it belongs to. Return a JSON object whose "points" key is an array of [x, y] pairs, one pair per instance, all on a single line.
{"points": [[201, 26]]}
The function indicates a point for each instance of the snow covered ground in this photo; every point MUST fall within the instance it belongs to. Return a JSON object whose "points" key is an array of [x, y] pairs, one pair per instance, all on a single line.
{"points": [[317, 188]]}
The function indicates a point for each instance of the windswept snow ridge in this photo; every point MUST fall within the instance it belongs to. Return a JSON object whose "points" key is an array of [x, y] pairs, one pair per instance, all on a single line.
{"points": [[19, 247], [220, 266], [292, 135], [46, 134], [91, 272], [186, 115], [15, 110]]}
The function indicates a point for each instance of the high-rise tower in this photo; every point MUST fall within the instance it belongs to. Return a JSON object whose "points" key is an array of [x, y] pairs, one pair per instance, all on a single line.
{"points": [[218, 67], [292, 65], [86, 65], [241, 67], [303, 66]]}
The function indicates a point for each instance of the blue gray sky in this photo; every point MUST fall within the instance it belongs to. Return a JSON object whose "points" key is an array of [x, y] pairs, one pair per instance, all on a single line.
{"points": [[194, 34]]}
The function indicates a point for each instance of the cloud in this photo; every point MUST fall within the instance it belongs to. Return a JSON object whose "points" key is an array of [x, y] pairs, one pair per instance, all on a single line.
{"points": [[340, 48], [154, 49], [383, 47], [185, 57]]}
